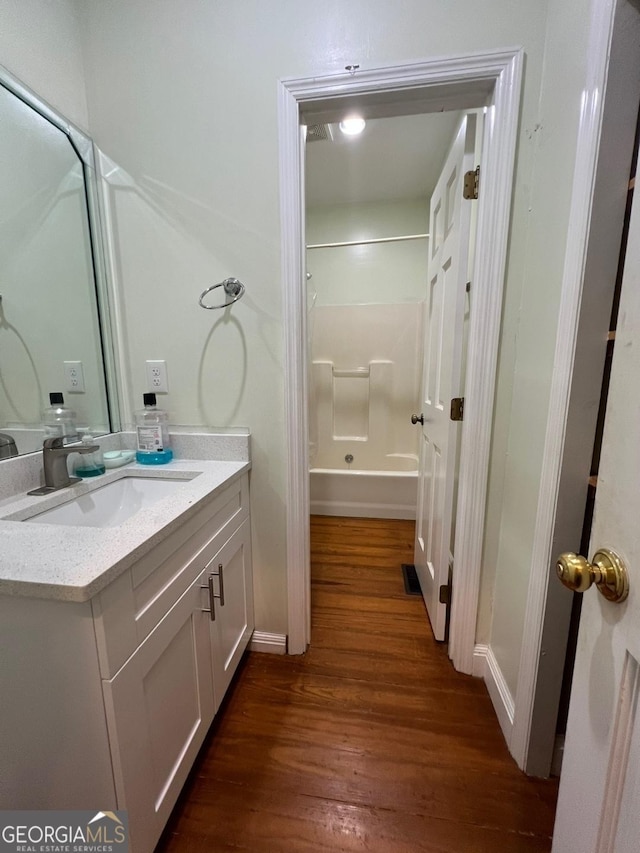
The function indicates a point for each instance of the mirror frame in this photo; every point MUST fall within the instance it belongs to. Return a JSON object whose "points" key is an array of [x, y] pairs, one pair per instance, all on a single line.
{"points": [[86, 151]]}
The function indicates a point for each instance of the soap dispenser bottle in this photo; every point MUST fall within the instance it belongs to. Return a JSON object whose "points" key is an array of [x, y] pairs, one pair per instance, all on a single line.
{"points": [[152, 429], [89, 464]]}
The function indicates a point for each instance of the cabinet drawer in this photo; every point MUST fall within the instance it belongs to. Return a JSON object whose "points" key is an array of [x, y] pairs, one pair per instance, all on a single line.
{"points": [[129, 608]]}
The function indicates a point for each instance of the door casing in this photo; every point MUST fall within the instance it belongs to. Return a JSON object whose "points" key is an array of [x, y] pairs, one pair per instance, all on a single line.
{"points": [[492, 80]]}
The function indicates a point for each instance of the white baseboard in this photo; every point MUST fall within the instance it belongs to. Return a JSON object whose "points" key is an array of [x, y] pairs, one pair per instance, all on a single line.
{"points": [[486, 666], [350, 509], [479, 660], [263, 641]]}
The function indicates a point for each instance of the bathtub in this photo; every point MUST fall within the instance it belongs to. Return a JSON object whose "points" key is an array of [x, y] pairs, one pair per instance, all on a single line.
{"points": [[366, 494]]}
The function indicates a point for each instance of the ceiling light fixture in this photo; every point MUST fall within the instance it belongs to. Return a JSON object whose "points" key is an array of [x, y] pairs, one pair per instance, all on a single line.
{"points": [[352, 126]]}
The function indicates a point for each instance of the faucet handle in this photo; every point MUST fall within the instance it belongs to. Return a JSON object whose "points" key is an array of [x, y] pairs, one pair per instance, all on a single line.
{"points": [[53, 443], [58, 441]]}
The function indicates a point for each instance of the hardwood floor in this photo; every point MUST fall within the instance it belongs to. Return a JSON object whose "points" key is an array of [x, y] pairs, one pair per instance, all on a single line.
{"points": [[369, 742]]}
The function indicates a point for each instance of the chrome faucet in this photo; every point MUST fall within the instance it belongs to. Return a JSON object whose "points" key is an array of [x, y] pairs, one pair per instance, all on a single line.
{"points": [[54, 462]]}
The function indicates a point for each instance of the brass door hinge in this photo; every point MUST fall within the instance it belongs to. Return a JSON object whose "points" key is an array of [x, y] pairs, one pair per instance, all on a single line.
{"points": [[457, 409], [470, 185]]}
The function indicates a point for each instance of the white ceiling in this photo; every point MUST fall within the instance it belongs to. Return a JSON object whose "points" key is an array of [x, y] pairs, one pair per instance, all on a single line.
{"points": [[394, 158]]}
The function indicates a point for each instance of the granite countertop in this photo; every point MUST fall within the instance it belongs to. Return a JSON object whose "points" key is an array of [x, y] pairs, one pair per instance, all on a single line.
{"points": [[72, 563]]}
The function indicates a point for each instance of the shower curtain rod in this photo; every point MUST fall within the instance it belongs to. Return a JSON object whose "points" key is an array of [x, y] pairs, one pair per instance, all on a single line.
{"points": [[367, 242]]}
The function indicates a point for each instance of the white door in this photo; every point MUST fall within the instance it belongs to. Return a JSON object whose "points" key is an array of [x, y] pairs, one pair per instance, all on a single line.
{"points": [[449, 226], [600, 784]]}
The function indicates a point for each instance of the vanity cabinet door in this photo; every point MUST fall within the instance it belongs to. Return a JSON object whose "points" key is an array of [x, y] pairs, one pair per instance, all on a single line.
{"points": [[159, 707], [234, 622]]}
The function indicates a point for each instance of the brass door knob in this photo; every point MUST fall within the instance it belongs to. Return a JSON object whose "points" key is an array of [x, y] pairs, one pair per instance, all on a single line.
{"points": [[417, 419], [607, 572]]}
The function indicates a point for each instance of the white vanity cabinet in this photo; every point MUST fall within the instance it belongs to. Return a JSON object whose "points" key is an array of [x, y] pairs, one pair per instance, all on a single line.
{"points": [[148, 645], [160, 704], [179, 655]]}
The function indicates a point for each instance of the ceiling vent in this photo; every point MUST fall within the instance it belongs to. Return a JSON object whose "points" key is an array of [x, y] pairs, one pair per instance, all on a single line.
{"points": [[318, 132]]}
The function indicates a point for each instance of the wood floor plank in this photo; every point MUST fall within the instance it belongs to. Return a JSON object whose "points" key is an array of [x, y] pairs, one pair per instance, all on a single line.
{"points": [[336, 636], [368, 742], [412, 668], [367, 701], [388, 598], [375, 624], [294, 823], [315, 725], [459, 795]]}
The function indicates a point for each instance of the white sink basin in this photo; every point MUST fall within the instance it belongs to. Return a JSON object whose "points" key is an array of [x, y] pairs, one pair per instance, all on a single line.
{"points": [[109, 505]]}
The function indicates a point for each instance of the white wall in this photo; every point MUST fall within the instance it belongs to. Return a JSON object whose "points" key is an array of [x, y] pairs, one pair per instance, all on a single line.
{"points": [[182, 95], [40, 44], [373, 272]]}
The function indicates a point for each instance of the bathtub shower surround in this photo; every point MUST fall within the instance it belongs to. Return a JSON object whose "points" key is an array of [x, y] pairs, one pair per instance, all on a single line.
{"points": [[364, 494], [366, 367]]}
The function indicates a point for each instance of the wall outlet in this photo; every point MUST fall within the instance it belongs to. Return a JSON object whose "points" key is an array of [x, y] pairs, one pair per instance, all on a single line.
{"points": [[157, 376], [74, 377]]}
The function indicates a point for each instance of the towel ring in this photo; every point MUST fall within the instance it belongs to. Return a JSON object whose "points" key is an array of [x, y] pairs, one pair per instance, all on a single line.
{"points": [[232, 287]]}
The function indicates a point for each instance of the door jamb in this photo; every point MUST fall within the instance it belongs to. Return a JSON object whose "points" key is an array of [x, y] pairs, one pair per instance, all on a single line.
{"points": [[407, 88]]}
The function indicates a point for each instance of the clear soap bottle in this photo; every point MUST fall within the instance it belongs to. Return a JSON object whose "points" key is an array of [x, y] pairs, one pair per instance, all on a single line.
{"points": [[152, 428], [58, 420]]}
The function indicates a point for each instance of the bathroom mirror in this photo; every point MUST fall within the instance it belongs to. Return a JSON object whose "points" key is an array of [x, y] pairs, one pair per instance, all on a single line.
{"points": [[54, 319]]}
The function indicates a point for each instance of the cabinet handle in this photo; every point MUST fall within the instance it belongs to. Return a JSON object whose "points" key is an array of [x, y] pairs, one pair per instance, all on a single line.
{"points": [[221, 576], [212, 597]]}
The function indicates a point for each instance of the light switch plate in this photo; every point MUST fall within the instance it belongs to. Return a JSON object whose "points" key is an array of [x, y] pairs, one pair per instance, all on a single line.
{"points": [[74, 377], [157, 376]]}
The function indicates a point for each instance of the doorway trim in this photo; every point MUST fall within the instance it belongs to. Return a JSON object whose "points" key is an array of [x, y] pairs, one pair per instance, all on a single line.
{"points": [[494, 80]]}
